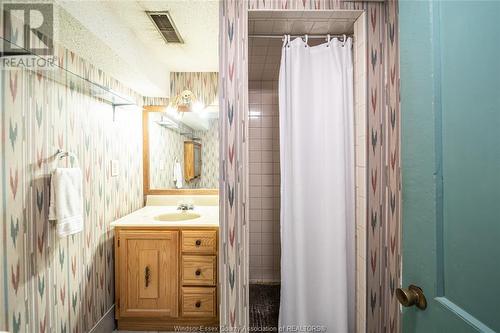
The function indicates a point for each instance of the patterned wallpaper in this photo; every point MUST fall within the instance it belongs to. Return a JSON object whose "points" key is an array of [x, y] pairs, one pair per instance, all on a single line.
{"points": [[209, 155], [167, 147], [146, 100], [392, 162], [384, 188], [48, 284], [233, 190], [203, 84]]}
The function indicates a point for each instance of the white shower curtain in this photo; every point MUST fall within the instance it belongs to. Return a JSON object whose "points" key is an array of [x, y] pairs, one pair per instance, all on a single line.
{"points": [[317, 186]]}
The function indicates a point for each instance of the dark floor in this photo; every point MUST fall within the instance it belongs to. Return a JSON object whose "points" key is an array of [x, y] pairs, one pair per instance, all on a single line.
{"points": [[264, 307]]}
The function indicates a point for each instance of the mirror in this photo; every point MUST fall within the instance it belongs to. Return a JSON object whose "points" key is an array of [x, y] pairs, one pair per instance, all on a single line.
{"points": [[181, 139]]}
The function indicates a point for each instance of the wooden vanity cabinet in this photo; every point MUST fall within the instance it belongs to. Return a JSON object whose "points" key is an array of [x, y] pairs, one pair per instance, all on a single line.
{"points": [[165, 277]]}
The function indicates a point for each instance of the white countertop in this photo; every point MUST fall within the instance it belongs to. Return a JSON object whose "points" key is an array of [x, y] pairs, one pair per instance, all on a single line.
{"points": [[145, 217]]}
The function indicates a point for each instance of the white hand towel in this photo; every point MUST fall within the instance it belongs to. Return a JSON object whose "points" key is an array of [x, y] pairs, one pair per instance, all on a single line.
{"points": [[66, 200], [178, 175]]}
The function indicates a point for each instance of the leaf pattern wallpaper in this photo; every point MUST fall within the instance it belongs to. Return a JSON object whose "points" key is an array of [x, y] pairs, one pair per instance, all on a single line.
{"points": [[166, 147], [47, 283], [383, 178], [204, 85], [233, 190], [209, 155]]}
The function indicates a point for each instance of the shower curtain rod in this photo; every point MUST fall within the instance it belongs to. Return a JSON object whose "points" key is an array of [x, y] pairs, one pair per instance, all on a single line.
{"points": [[297, 36]]}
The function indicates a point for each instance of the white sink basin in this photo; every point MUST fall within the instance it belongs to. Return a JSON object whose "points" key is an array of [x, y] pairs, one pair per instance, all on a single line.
{"points": [[177, 216]]}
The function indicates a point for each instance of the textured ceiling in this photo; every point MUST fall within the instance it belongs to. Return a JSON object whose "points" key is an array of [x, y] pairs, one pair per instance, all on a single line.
{"points": [[76, 27], [302, 22], [197, 22], [265, 53], [118, 37]]}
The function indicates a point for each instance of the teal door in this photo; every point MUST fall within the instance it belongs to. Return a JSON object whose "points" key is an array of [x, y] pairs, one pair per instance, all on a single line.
{"points": [[450, 106]]}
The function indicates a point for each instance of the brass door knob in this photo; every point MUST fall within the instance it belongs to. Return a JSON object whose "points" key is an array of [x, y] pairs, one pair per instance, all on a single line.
{"points": [[411, 296]]}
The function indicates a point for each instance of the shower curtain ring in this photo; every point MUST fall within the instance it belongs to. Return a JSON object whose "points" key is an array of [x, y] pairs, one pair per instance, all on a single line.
{"points": [[328, 40], [345, 39], [307, 38]]}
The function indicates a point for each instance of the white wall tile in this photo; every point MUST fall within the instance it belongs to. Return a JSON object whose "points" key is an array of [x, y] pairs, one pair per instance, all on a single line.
{"points": [[264, 191]]}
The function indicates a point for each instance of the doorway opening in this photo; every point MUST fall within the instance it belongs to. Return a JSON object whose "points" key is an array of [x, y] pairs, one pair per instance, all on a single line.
{"points": [[265, 29]]}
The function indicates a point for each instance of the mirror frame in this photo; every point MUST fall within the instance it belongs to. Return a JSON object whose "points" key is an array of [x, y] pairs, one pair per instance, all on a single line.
{"points": [[145, 161]]}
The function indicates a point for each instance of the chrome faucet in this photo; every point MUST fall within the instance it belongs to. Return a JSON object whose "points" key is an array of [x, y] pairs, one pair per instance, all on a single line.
{"points": [[185, 206]]}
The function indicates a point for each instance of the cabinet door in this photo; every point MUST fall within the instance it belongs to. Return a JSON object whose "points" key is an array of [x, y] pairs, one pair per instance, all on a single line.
{"points": [[148, 273]]}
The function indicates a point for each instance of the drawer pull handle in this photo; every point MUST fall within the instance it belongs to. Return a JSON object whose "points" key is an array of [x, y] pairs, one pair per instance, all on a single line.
{"points": [[198, 304], [147, 275], [198, 272], [198, 242]]}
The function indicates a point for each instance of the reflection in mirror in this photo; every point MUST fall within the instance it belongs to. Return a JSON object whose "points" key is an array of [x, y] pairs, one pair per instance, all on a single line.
{"points": [[184, 138]]}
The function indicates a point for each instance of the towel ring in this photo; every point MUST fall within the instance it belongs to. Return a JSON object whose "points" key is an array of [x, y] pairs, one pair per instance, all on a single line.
{"points": [[60, 154]]}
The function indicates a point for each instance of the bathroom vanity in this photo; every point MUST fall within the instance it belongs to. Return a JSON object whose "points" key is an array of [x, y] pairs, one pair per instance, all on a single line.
{"points": [[166, 267]]}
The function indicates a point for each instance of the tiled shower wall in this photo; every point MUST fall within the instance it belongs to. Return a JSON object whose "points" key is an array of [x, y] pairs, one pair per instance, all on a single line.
{"points": [[264, 182]]}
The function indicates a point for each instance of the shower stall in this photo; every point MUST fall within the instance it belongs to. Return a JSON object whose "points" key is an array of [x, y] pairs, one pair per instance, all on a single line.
{"points": [[266, 31]]}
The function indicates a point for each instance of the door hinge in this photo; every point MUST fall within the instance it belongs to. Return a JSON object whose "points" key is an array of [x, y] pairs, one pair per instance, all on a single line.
{"points": [[118, 240]]}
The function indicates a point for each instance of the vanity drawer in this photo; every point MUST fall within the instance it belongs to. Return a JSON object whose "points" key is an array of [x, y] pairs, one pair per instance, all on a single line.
{"points": [[199, 241], [199, 270], [198, 302]]}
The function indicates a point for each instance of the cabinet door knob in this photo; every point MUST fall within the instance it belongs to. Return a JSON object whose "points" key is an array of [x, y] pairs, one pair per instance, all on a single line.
{"points": [[198, 304], [198, 242], [198, 272]]}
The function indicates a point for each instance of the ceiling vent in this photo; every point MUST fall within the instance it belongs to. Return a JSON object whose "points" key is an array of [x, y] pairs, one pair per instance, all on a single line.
{"points": [[166, 27]]}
